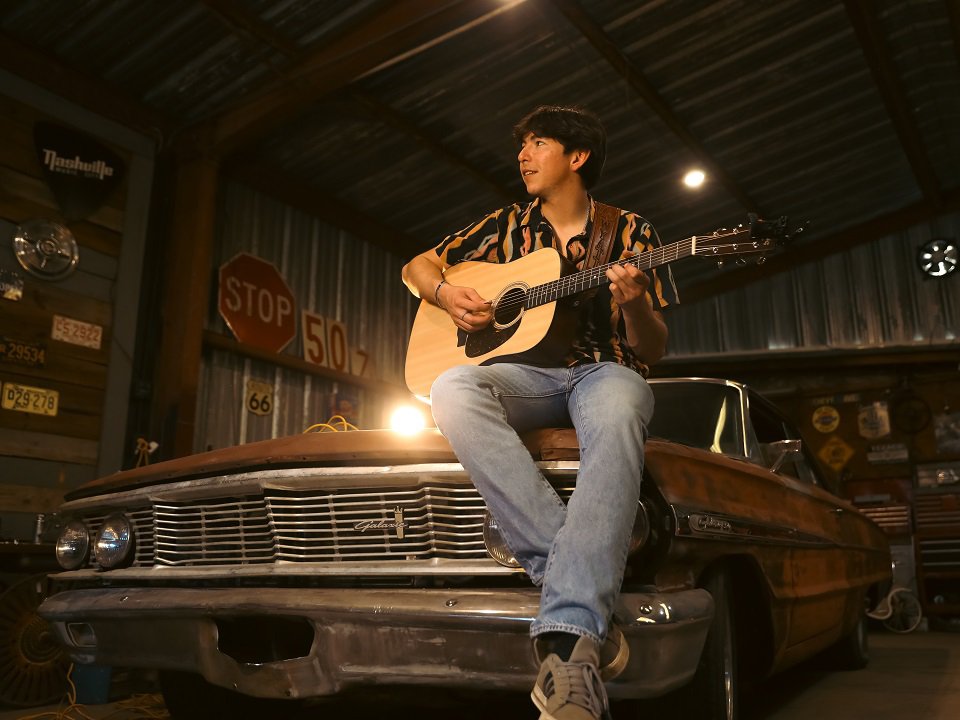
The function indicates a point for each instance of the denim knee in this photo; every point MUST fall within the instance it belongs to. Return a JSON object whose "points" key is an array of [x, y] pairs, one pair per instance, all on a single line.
{"points": [[452, 391]]}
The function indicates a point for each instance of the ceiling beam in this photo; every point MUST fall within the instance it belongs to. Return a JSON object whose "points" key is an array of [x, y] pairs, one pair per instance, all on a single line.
{"points": [[893, 222], [397, 121], [321, 204], [639, 83], [45, 70], [246, 23], [400, 29], [866, 25]]}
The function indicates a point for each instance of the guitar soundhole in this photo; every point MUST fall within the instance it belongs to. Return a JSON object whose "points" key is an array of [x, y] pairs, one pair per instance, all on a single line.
{"points": [[509, 307], [507, 311]]}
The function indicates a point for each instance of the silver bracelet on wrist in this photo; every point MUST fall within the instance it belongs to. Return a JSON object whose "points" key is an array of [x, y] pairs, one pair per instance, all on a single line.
{"points": [[436, 294]]}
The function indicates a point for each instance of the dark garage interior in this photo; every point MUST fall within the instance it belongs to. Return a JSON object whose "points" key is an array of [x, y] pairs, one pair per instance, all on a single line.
{"points": [[205, 206]]}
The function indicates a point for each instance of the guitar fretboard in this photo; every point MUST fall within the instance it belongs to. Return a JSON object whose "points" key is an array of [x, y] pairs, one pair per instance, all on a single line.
{"points": [[597, 276]]}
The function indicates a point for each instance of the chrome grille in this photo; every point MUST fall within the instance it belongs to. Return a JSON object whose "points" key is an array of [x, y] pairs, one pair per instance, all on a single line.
{"points": [[143, 535], [439, 520], [229, 530], [378, 523]]}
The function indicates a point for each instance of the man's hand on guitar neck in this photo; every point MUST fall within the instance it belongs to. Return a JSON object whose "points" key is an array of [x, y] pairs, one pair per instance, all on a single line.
{"points": [[466, 308], [646, 330], [628, 285]]}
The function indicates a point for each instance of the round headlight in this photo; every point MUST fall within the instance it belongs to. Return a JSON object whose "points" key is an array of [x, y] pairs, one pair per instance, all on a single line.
{"points": [[496, 545], [114, 542], [73, 545]]}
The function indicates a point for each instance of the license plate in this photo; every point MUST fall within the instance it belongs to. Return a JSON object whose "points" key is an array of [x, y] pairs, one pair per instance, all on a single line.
{"points": [[22, 353], [76, 332], [24, 398]]}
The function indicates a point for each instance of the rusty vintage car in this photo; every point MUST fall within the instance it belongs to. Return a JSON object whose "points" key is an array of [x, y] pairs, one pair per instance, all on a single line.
{"points": [[305, 566]]}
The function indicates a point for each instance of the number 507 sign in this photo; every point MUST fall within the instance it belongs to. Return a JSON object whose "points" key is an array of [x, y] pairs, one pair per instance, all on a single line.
{"points": [[325, 344]]}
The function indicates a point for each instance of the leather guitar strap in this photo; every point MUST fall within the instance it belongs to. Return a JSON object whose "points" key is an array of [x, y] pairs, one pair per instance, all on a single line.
{"points": [[605, 221]]}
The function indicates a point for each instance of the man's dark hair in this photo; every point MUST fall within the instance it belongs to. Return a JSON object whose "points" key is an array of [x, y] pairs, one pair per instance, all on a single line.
{"points": [[573, 127]]}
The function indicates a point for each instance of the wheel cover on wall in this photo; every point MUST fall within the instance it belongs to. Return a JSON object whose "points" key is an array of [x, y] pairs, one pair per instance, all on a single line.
{"points": [[33, 665], [46, 249]]}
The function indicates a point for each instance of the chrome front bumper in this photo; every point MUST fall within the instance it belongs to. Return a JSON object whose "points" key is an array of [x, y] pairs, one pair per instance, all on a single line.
{"points": [[454, 638]]}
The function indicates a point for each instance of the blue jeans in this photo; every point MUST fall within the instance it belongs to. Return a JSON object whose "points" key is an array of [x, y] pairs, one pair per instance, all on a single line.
{"points": [[576, 552]]}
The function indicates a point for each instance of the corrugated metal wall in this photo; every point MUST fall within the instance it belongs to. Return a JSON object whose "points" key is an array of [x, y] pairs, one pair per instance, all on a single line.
{"points": [[870, 297], [873, 296], [329, 272]]}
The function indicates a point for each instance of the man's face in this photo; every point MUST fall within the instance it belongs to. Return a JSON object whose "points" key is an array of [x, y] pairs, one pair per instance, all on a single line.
{"points": [[544, 166]]}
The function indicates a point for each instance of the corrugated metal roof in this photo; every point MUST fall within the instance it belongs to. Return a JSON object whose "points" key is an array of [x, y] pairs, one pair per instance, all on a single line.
{"points": [[790, 98]]}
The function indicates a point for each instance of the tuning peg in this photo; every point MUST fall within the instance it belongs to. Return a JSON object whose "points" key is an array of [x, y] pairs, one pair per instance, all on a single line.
{"points": [[719, 264], [761, 260]]}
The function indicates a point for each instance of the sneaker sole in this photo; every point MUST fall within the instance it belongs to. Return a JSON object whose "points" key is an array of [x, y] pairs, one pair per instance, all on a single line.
{"points": [[540, 700], [619, 663]]}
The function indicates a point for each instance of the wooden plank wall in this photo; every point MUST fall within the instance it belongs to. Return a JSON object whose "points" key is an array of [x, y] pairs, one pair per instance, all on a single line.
{"points": [[36, 449]]}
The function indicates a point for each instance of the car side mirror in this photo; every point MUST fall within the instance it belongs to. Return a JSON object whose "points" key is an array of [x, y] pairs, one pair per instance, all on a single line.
{"points": [[780, 450]]}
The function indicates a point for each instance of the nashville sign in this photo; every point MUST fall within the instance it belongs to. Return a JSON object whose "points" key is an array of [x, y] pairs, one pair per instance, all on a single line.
{"points": [[75, 166], [80, 170]]}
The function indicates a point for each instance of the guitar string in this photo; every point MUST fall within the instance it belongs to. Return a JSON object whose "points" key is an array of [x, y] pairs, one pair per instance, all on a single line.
{"points": [[594, 277]]}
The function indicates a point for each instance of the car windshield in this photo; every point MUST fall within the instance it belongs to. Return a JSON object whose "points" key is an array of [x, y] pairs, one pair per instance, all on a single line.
{"points": [[699, 414]]}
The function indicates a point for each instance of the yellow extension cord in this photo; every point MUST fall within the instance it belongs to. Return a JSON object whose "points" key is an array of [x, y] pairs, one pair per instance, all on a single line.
{"points": [[135, 707], [331, 425]]}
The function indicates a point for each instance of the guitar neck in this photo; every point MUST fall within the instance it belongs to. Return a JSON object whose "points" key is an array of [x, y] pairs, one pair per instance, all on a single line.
{"points": [[597, 276]]}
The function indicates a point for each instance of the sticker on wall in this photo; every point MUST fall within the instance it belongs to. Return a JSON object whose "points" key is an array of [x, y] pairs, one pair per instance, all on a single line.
{"points": [[24, 398], [836, 399], [826, 418], [835, 453], [888, 454], [21, 352], [76, 332], [946, 428], [874, 420], [259, 399], [11, 285]]}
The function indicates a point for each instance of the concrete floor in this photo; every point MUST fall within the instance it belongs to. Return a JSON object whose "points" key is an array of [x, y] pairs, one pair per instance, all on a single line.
{"points": [[909, 676]]}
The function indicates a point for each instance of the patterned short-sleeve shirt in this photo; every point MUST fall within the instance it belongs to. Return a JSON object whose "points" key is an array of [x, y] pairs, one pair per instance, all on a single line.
{"points": [[517, 230]]}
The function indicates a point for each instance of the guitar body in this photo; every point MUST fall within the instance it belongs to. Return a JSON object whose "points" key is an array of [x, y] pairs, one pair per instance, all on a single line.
{"points": [[542, 335], [538, 336]]}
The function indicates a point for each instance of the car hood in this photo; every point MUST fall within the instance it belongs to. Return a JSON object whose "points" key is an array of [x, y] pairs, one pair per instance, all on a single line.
{"points": [[356, 447], [359, 448]]}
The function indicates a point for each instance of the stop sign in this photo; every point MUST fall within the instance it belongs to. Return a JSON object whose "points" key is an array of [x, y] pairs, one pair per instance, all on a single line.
{"points": [[256, 303]]}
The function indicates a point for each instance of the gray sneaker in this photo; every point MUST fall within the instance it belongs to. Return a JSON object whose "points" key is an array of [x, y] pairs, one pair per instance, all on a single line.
{"points": [[571, 690]]}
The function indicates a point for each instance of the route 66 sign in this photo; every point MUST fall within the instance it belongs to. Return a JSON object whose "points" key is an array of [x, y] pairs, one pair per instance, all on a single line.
{"points": [[259, 398]]}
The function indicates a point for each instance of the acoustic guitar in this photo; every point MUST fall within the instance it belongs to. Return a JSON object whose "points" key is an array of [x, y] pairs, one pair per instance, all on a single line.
{"points": [[535, 304]]}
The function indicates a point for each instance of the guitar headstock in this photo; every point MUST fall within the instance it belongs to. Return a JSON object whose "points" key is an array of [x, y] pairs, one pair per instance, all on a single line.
{"points": [[757, 239]]}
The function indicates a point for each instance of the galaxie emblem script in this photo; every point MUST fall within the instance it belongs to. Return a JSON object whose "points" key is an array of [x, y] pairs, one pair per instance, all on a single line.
{"points": [[398, 523], [708, 523]]}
